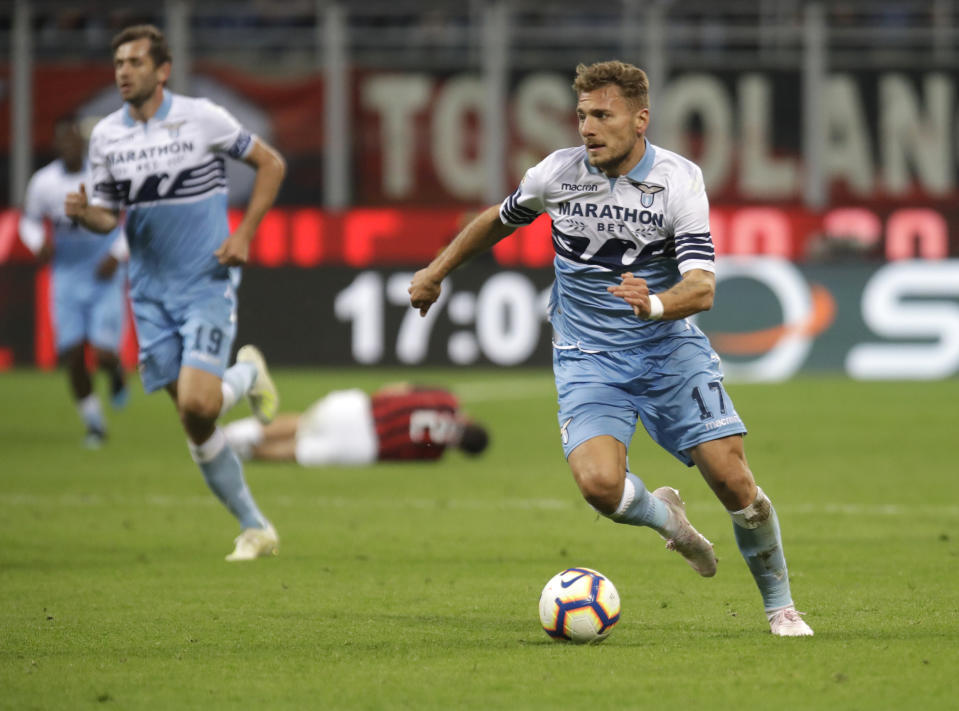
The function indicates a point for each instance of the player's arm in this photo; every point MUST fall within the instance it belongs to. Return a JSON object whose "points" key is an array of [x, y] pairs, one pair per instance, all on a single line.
{"points": [[689, 219], [395, 389], [119, 252], [270, 169], [690, 295], [277, 450], [33, 233], [94, 217], [485, 230], [100, 212], [33, 230]]}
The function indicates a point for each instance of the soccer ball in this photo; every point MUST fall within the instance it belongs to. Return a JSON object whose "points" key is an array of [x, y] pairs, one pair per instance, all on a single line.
{"points": [[579, 605]]}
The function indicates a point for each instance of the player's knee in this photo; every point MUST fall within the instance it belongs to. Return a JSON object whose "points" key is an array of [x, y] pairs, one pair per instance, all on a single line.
{"points": [[198, 407], [73, 357], [105, 357], [602, 489]]}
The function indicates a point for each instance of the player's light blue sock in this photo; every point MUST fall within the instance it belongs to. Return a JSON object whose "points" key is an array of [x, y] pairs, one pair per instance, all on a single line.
{"points": [[92, 413], [224, 475], [237, 381], [760, 541], [638, 507]]}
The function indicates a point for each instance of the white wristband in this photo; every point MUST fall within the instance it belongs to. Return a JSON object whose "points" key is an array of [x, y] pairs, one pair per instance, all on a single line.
{"points": [[655, 308]]}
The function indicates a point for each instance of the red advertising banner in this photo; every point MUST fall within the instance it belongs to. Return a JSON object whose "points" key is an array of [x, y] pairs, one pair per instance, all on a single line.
{"points": [[308, 237]]}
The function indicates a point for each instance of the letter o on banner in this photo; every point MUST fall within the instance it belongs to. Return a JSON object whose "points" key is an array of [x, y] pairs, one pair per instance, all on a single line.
{"points": [[788, 285]]}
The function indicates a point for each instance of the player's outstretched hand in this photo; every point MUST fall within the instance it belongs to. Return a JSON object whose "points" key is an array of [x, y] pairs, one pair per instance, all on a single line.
{"points": [[634, 291], [75, 204], [424, 291], [234, 252]]}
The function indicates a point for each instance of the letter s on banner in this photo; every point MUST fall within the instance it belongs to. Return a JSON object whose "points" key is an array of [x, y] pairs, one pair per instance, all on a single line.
{"points": [[890, 309]]}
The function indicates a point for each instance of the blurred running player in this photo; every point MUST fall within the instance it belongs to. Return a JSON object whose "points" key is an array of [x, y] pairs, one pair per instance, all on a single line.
{"points": [[161, 159], [351, 428], [88, 279], [634, 259]]}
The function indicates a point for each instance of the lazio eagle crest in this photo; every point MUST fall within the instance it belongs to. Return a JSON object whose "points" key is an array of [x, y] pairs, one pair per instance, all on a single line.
{"points": [[173, 127], [648, 191]]}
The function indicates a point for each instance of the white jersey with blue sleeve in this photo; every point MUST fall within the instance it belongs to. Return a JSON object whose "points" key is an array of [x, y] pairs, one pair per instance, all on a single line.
{"points": [[77, 251], [652, 222], [169, 175]]}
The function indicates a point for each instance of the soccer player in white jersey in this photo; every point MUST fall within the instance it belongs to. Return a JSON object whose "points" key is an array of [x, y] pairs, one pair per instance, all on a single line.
{"points": [[88, 279], [161, 159], [633, 260]]}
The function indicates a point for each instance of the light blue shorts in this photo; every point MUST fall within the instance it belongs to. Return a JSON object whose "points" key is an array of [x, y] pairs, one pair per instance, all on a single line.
{"points": [[196, 332], [89, 310], [675, 387]]}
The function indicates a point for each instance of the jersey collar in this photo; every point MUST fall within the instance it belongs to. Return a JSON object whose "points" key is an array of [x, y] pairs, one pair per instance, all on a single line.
{"points": [[639, 171], [161, 113]]}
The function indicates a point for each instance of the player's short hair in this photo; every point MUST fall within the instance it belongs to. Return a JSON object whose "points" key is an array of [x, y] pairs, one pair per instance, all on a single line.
{"points": [[631, 80], [474, 438], [159, 49]]}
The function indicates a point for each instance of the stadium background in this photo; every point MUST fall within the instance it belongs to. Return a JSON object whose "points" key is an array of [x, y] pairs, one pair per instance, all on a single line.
{"points": [[826, 132], [829, 136]]}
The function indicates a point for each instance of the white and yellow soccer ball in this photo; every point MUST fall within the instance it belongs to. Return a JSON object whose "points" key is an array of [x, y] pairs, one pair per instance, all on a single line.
{"points": [[579, 605]]}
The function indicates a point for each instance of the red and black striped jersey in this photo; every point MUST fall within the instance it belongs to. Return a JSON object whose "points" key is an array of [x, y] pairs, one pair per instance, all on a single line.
{"points": [[415, 424]]}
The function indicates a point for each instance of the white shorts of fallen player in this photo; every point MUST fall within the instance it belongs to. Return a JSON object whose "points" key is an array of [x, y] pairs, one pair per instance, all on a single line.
{"points": [[337, 430]]}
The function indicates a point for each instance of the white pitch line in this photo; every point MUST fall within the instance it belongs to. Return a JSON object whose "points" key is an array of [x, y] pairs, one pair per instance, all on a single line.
{"points": [[521, 504]]}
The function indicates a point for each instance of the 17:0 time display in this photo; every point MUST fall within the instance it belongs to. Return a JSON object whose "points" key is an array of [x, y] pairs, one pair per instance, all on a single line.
{"points": [[502, 319]]}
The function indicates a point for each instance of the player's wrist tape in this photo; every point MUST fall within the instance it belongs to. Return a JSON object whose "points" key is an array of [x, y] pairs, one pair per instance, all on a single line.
{"points": [[655, 308]]}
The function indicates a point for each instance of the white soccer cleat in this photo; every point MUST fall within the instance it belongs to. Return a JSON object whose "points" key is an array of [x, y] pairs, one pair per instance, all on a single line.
{"points": [[120, 398], [264, 400], [255, 542], [686, 540], [94, 438], [786, 622]]}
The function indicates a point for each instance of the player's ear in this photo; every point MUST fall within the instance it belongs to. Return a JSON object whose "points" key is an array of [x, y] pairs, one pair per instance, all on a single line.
{"points": [[641, 119], [163, 72]]}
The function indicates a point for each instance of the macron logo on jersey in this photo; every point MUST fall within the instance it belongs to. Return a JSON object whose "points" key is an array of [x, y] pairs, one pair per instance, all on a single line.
{"points": [[580, 187]]}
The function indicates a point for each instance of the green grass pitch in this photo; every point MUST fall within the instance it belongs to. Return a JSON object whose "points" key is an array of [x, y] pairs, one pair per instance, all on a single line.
{"points": [[415, 586]]}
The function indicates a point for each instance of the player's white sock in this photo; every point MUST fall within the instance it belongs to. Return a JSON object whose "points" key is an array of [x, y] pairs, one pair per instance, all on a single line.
{"points": [[760, 541], [638, 507], [243, 435], [237, 381], [92, 413], [224, 475]]}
